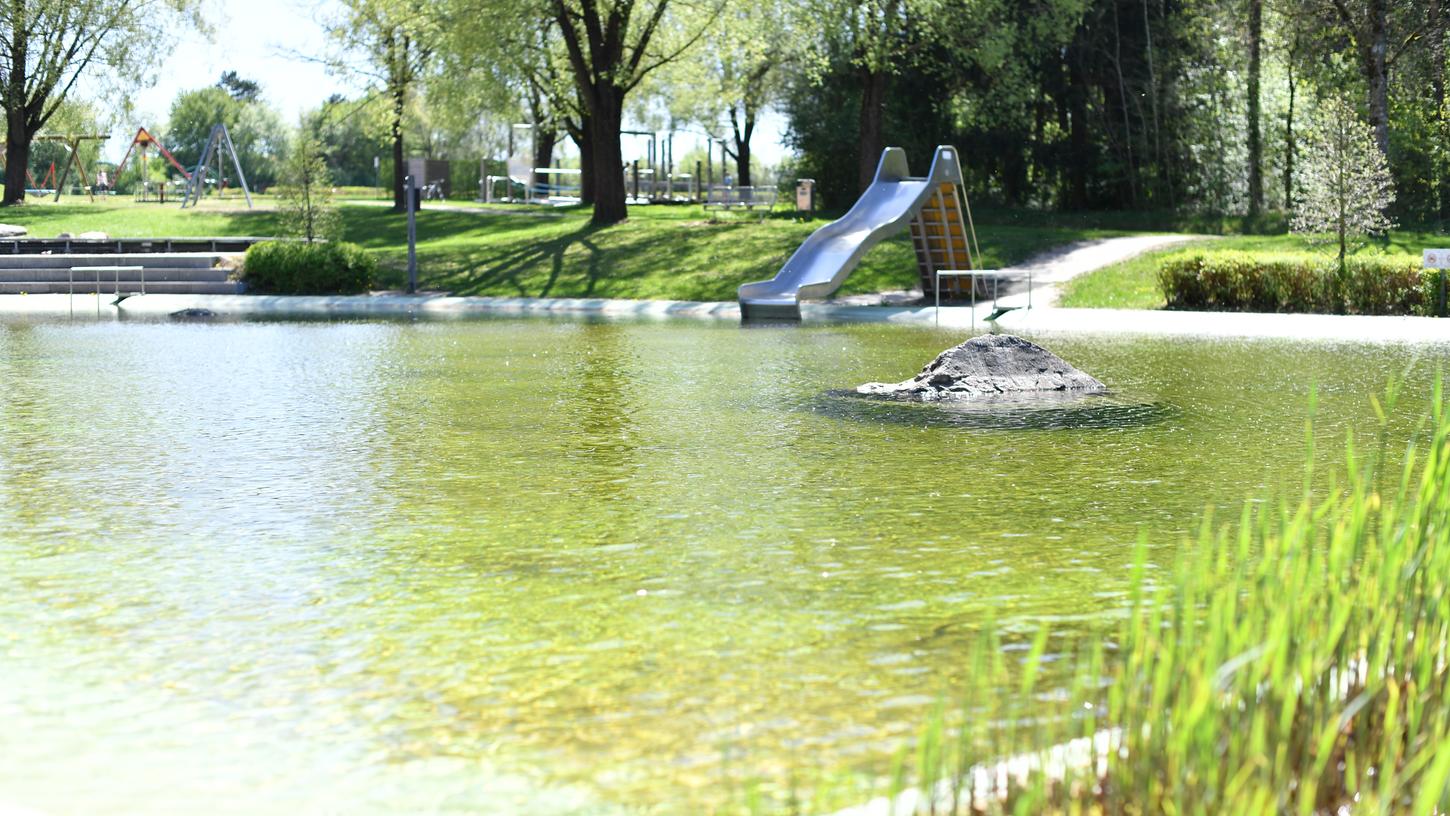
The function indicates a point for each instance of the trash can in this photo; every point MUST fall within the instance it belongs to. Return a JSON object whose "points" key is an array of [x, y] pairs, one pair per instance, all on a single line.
{"points": [[805, 195]]}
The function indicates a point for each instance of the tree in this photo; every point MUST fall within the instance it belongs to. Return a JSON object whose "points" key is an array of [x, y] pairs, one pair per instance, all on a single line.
{"points": [[741, 70], [242, 90], [47, 46], [612, 45], [256, 130], [392, 43], [306, 202], [1344, 179], [350, 139], [1256, 144]]}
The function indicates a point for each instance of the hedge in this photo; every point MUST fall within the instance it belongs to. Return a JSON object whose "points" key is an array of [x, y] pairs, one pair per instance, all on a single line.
{"points": [[298, 268], [1236, 281]]}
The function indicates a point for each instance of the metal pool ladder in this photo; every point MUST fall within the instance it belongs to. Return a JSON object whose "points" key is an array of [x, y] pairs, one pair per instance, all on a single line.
{"points": [[116, 271], [972, 274]]}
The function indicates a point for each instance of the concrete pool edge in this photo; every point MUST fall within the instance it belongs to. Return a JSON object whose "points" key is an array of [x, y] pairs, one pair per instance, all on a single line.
{"points": [[1034, 321]]}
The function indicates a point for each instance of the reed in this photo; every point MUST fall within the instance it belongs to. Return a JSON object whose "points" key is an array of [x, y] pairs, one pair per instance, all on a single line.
{"points": [[1292, 662]]}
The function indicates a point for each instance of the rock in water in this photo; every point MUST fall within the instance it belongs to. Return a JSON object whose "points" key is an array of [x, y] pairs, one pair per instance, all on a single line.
{"points": [[989, 367]]}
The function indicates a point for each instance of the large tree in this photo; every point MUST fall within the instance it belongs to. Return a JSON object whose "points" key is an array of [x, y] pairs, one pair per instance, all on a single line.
{"points": [[392, 43], [612, 45], [257, 131], [47, 46]]}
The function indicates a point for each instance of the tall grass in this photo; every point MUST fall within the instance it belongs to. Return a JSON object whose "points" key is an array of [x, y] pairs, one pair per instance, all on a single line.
{"points": [[1293, 662]]}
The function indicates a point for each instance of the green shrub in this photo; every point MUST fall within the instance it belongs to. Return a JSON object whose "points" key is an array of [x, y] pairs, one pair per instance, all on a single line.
{"points": [[1249, 282], [298, 268]]}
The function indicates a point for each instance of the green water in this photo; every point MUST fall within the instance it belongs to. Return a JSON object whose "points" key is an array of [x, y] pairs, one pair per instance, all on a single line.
{"points": [[545, 567]]}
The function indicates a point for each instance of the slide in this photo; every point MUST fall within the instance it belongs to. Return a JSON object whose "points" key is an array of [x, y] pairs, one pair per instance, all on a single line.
{"points": [[826, 258]]}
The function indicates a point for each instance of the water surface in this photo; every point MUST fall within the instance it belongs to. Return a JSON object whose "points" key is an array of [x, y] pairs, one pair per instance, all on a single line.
{"points": [[538, 566]]}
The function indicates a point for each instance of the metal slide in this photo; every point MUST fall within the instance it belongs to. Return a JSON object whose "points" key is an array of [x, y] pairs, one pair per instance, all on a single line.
{"points": [[828, 256]]}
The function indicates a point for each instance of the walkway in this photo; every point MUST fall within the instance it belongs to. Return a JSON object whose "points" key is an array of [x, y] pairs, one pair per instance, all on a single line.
{"points": [[1049, 270]]}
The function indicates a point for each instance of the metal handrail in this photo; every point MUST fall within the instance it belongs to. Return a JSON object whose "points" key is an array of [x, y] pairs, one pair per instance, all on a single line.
{"points": [[997, 275], [117, 270]]}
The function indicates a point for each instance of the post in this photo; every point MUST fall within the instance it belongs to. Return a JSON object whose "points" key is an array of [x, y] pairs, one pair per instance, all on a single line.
{"points": [[635, 167], [410, 193], [695, 182], [1441, 311]]}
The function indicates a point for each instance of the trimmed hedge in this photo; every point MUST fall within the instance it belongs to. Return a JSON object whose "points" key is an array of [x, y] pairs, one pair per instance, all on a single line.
{"points": [[298, 268], [1234, 281]]}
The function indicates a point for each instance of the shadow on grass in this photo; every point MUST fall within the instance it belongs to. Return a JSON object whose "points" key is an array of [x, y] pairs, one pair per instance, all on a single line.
{"points": [[515, 265]]}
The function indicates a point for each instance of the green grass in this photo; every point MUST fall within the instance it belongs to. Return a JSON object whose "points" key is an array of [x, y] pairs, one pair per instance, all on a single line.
{"points": [[1133, 284], [669, 252], [1294, 661]]}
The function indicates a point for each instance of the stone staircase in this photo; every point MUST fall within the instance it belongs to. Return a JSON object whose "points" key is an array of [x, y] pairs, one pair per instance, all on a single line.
{"points": [[161, 273]]}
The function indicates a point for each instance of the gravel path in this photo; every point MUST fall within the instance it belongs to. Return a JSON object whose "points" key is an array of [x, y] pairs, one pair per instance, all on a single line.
{"points": [[1049, 271]]}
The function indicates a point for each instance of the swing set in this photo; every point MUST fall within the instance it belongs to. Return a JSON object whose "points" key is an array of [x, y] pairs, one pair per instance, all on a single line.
{"points": [[141, 145]]}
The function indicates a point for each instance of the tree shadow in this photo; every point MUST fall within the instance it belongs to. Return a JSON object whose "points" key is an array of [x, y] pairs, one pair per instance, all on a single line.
{"points": [[513, 266]]}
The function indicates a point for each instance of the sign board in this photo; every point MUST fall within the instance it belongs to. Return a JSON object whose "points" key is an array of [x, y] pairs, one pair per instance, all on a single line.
{"points": [[1437, 259], [805, 195]]}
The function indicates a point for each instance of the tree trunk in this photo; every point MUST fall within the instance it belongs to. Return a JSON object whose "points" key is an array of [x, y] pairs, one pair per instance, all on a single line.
{"points": [[742, 145], [1077, 197], [544, 141], [1289, 145], [1374, 51], [605, 120], [1256, 148], [400, 170], [869, 136], [579, 132], [1435, 42], [17, 157]]}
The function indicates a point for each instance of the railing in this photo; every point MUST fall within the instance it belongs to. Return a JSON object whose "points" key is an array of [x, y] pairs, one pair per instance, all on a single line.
{"points": [[996, 276], [117, 270]]}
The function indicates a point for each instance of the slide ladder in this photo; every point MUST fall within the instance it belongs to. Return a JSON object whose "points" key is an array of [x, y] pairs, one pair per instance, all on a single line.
{"points": [[931, 206], [941, 235]]}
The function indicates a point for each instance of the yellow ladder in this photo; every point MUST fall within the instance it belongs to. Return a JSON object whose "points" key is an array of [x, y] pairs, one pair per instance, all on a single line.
{"points": [[939, 235]]}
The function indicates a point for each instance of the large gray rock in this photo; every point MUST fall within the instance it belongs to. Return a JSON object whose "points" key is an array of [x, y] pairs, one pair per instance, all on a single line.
{"points": [[992, 366], [12, 231]]}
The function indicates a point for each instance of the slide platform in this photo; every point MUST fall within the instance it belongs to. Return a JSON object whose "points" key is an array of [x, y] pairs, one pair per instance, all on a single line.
{"points": [[823, 262]]}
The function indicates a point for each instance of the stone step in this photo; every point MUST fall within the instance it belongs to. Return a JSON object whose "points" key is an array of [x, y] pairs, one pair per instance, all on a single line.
{"points": [[127, 287], [213, 275], [168, 260]]}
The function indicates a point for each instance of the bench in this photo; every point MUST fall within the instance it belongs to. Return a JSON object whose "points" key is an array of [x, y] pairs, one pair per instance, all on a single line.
{"points": [[741, 198]]}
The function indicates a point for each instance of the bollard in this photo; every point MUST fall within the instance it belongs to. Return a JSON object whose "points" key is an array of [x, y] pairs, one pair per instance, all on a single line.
{"points": [[410, 197]]}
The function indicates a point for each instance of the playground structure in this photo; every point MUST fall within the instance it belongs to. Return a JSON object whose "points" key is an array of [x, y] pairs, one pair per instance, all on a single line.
{"points": [[935, 209], [72, 143], [141, 145], [651, 180], [217, 143]]}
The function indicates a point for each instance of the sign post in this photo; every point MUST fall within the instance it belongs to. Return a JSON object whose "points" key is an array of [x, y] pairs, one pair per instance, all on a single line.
{"points": [[410, 191]]}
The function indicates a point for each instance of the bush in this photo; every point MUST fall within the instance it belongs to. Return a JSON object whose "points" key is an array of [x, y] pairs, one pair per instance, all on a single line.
{"points": [[297, 268], [1248, 282]]}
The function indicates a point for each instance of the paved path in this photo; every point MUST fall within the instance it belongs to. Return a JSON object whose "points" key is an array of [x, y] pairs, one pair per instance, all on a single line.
{"points": [[1049, 270]]}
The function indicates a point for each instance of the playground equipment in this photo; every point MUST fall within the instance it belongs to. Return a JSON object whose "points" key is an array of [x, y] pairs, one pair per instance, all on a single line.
{"points": [[933, 208], [218, 141], [72, 144], [141, 145]]}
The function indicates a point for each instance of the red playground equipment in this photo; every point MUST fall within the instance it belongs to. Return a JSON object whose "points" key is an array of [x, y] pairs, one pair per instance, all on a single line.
{"points": [[144, 140]]}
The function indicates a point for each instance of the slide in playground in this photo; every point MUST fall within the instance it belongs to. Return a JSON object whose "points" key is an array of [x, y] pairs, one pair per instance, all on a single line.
{"points": [[824, 261]]}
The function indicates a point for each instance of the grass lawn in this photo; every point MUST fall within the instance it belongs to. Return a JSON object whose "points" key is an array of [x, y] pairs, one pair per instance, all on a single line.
{"points": [[1134, 284], [672, 252]]}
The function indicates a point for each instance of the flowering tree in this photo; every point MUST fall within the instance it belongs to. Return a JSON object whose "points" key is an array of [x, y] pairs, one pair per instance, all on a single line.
{"points": [[1343, 179]]}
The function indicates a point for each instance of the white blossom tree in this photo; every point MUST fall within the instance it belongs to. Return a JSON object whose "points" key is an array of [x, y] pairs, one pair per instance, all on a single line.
{"points": [[1343, 179]]}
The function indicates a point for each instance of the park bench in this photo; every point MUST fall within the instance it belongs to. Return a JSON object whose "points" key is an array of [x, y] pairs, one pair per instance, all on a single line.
{"points": [[728, 199]]}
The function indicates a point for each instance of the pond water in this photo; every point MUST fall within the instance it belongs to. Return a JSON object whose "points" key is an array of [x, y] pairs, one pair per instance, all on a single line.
{"points": [[568, 567]]}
